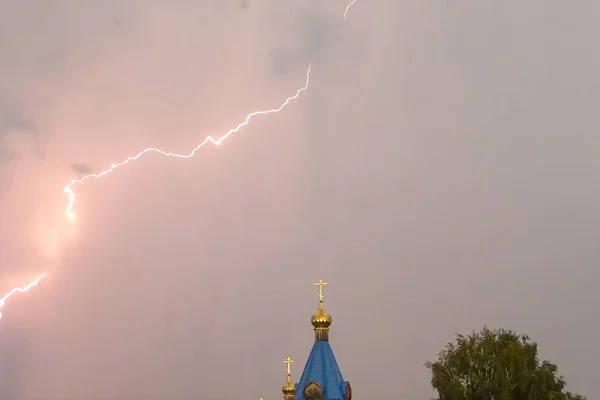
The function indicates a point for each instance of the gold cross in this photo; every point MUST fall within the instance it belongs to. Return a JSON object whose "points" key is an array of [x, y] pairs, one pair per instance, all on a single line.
{"points": [[320, 284], [289, 361]]}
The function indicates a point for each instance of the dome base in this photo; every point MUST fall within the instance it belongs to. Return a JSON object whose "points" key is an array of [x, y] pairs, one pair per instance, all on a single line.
{"points": [[321, 335]]}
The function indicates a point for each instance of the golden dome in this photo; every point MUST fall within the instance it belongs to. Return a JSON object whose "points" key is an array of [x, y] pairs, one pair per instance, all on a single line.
{"points": [[321, 319], [289, 389]]}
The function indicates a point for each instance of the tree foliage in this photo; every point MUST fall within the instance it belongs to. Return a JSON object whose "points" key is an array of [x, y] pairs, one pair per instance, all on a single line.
{"points": [[496, 365]]}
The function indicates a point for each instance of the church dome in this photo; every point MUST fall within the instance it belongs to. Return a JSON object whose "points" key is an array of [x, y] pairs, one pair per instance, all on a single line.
{"points": [[289, 389], [321, 319]]}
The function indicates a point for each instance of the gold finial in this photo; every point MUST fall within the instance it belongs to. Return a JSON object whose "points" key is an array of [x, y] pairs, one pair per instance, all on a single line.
{"points": [[321, 320], [289, 390], [289, 362], [320, 284]]}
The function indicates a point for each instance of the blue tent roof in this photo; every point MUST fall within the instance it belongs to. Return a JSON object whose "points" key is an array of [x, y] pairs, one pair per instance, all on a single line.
{"points": [[322, 368]]}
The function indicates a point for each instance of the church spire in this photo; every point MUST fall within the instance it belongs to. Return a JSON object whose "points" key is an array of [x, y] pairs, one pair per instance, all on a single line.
{"points": [[322, 378], [289, 390], [321, 320]]}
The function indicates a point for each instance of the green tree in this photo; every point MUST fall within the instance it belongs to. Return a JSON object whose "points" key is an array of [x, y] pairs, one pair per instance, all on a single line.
{"points": [[496, 365]]}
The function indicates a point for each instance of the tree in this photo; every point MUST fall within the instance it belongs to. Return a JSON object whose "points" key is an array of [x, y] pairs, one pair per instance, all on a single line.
{"points": [[496, 365]]}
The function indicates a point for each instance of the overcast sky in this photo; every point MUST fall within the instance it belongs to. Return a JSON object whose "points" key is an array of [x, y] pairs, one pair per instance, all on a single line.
{"points": [[440, 172]]}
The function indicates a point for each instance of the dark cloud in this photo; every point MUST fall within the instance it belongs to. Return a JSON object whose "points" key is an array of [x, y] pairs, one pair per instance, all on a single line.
{"points": [[6, 173], [15, 126], [13, 119], [445, 181], [81, 168]]}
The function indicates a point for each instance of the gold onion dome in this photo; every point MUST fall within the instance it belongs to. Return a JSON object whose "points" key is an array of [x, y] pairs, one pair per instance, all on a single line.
{"points": [[321, 319], [289, 388]]}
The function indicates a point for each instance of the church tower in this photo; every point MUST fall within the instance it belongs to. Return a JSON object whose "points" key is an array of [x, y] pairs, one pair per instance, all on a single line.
{"points": [[322, 378]]}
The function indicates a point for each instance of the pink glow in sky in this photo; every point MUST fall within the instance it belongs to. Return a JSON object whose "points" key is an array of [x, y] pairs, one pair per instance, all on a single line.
{"points": [[440, 174]]}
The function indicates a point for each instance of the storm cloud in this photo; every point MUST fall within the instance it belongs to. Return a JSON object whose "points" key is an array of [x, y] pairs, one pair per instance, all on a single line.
{"points": [[440, 173]]}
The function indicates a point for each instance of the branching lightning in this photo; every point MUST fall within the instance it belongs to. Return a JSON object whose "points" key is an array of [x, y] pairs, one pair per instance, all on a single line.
{"points": [[209, 139]]}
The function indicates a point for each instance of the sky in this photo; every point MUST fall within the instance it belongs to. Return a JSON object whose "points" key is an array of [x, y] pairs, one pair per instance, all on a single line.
{"points": [[440, 173]]}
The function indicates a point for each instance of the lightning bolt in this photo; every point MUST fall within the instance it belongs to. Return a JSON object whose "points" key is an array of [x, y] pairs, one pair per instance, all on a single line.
{"points": [[20, 290], [209, 139], [348, 7]]}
